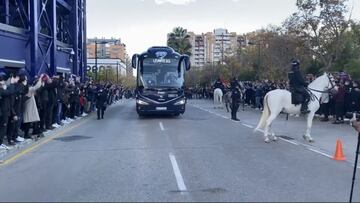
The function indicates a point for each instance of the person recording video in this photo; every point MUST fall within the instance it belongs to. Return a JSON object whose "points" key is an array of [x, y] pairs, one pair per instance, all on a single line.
{"points": [[356, 126]]}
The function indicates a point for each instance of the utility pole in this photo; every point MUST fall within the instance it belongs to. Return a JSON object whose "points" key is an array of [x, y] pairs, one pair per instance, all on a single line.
{"points": [[259, 60], [222, 49], [96, 62], [213, 72], [117, 72]]}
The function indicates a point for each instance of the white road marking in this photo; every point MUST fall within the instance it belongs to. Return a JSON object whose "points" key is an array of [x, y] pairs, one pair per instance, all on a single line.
{"points": [[262, 131], [288, 141], [178, 176], [161, 126], [353, 165], [246, 125], [213, 113], [322, 153]]}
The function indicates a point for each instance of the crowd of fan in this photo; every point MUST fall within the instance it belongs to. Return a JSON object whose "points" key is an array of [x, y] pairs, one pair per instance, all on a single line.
{"points": [[29, 108], [340, 105]]}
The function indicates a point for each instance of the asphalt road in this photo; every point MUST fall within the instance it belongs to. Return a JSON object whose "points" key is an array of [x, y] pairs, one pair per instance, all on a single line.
{"points": [[199, 156]]}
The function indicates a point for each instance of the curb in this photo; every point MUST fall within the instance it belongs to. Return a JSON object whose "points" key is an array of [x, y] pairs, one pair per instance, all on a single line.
{"points": [[23, 146]]}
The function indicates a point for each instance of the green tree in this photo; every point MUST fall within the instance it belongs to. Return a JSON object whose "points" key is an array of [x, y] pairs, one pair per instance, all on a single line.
{"points": [[179, 40], [128, 81], [321, 25]]}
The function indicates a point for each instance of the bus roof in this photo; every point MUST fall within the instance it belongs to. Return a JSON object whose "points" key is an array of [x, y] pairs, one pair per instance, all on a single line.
{"points": [[160, 51]]}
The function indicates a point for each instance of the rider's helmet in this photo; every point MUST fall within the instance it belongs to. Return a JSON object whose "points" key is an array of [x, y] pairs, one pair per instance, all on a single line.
{"points": [[295, 62]]}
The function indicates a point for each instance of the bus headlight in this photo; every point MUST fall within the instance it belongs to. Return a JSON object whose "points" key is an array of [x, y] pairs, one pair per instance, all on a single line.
{"points": [[141, 102], [181, 102]]}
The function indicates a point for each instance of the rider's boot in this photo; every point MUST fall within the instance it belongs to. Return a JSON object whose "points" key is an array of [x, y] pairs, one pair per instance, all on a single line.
{"points": [[304, 108]]}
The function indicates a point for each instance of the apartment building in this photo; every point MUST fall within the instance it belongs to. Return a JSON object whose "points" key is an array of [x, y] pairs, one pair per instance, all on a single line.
{"points": [[106, 49], [213, 47], [198, 57], [110, 53]]}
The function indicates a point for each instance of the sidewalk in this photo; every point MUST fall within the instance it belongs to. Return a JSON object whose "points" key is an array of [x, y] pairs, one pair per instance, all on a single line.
{"points": [[27, 144], [325, 134], [6, 154]]}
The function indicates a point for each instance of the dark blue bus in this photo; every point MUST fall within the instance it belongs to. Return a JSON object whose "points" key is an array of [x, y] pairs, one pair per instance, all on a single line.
{"points": [[160, 81]]}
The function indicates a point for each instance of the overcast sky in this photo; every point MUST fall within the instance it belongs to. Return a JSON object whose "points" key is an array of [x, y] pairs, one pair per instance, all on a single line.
{"points": [[144, 23]]}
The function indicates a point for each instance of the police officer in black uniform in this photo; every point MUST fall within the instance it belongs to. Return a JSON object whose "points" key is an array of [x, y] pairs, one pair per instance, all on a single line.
{"points": [[235, 96], [101, 101], [298, 85]]}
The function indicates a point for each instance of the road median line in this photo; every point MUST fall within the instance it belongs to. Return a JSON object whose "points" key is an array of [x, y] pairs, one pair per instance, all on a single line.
{"points": [[177, 173], [161, 126]]}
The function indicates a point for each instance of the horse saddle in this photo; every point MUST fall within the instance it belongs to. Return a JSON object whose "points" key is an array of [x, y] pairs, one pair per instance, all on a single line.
{"points": [[297, 97]]}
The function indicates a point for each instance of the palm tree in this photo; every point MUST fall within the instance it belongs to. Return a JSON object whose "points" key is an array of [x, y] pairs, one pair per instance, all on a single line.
{"points": [[179, 40]]}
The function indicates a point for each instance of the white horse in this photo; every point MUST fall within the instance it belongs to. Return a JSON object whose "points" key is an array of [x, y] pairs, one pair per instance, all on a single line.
{"points": [[278, 101], [218, 98]]}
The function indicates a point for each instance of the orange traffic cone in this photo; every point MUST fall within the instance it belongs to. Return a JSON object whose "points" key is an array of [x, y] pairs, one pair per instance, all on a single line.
{"points": [[339, 154]]}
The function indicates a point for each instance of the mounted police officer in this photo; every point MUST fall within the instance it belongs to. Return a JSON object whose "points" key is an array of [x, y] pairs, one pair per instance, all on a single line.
{"points": [[235, 97], [219, 85], [298, 85]]}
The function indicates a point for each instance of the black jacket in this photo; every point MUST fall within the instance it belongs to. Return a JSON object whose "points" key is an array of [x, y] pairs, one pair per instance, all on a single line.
{"points": [[296, 78], [43, 96], [5, 100], [101, 98], [18, 99], [51, 88], [218, 85], [234, 84], [354, 98], [74, 95], [60, 90], [235, 95]]}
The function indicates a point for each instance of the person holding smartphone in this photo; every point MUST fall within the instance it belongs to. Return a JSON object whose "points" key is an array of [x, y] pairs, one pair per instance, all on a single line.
{"points": [[356, 125]]}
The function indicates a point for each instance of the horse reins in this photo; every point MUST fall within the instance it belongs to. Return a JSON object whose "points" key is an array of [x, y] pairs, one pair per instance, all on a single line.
{"points": [[323, 92]]}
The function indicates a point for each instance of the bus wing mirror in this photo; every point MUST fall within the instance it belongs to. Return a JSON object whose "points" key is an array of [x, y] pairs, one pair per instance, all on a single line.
{"points": [[186, 60], [133, 60]]}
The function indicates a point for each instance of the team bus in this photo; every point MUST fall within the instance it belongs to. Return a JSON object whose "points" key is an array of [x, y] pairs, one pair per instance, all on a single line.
{"points": [[160, 81]]}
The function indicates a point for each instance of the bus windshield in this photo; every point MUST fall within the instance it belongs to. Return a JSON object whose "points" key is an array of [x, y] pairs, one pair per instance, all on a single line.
{"points": [[161, 73]]}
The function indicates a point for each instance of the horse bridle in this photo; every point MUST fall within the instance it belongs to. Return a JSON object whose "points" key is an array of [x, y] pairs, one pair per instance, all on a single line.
{"points": [[327, 91], [323, 92]]}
